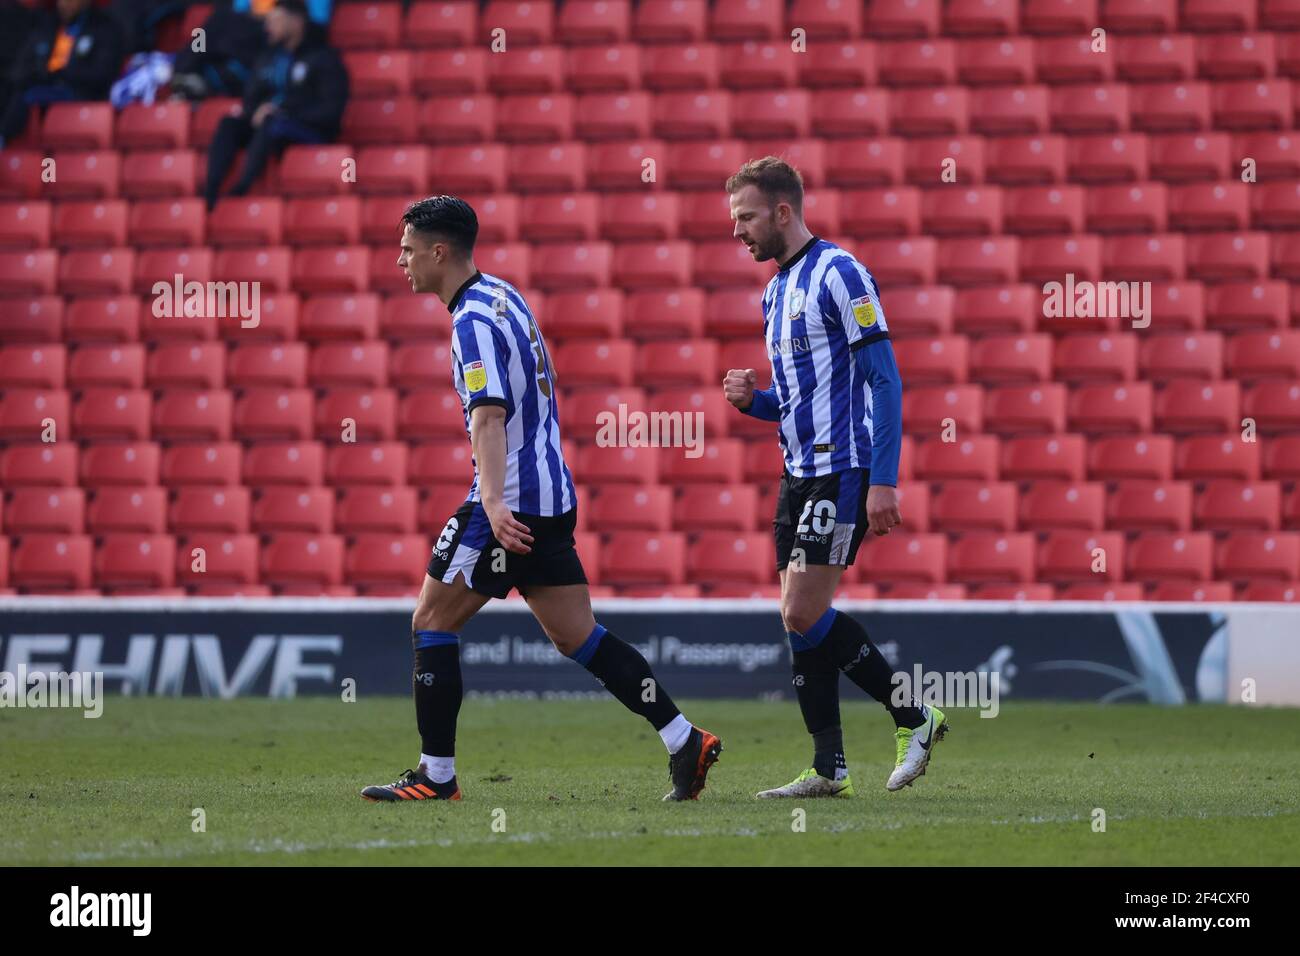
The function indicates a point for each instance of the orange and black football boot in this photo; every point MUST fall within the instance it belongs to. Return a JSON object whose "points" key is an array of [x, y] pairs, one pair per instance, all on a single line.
{"points": [[413, 785], [689, 766]]}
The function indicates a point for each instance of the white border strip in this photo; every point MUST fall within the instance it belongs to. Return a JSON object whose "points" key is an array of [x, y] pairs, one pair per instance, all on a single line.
{"points": [[264, 605]]}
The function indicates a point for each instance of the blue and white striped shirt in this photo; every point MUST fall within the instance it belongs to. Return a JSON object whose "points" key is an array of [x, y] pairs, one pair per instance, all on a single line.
{"points": [[499, 358], [818, 310]]}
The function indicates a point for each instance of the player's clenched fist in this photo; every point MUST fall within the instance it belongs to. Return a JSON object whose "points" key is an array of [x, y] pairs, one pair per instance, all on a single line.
{"points": [[738, 387], [882, 509]]}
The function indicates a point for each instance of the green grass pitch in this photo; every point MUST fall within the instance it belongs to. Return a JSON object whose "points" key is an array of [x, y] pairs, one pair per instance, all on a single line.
{"points": [[580, 782]]}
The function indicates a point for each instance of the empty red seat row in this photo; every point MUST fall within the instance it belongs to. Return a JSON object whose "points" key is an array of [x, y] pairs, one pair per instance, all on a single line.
{"points": [[462, 24], [915, 261], [699, 214], [862, 157]]}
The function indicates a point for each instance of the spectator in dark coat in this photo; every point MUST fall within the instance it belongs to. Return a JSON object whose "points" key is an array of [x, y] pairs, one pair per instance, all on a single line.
{"points": [[297, 94], [73, 56]]}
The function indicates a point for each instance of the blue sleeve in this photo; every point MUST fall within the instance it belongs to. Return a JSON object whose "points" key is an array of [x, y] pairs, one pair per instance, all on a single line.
{"points": [[876, 363], [764, 405]]}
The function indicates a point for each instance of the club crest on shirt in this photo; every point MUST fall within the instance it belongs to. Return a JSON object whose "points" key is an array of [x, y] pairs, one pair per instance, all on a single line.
{"points": [[864, 311], [796, 303], [475, 376], [299, 72], [84, 44]]}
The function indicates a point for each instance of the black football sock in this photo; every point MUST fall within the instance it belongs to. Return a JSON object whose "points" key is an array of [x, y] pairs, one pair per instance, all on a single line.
{"points": [[817, 686], [850, 649], [623, 672], [438, 691]]}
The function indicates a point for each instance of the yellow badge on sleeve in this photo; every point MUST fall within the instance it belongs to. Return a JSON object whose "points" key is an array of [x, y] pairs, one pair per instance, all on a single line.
{"points": [[475, 376], [864, 311]]}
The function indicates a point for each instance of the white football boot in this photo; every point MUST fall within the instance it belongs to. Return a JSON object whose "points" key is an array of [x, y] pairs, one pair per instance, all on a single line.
{"points": [[811, 784], [914, 748]]}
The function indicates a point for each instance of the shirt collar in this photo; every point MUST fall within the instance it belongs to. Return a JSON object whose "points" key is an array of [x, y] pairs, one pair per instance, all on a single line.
{"points": [[460, 293], [800, 254]]}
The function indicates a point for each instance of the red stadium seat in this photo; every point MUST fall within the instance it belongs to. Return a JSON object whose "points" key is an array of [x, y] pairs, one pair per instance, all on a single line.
{"points": [[976, 506], [1109, 408], [112, 413], [676, 362], [1264, 355], [639, 558], [246, 221], [1247, 556], [222, 510], [1017, 409], [376, 509], [938, 361], [850, 63], [187, 414], [1239, 506], [290, 463], [35, 510], [1160, 556], [1043, 209], [42, 465], [1009, 309], [131, 509], [1145, 505], [1058, 457], [386, 560], [1014, 160], [193, 364], [287, 509], [363, 364], [378, 72], [991, 557], [928, 411], [96, 271], [114, 463], [383, 464], [325, 221], [1188, 406], [445, 462], [1194, 356], [902, 18], [214, 463], [1051, 505], [904, 559], [922, 310], [728, 557], [361, 26], [1248, 305], [452, 24], [864, 162], [1151, 16], [1136, 457], [1096, 358], [329, 318], [650, 507], [974, 458], [296, 560], [1127, 208], [606, 465], [212, 561], [1204, 457], [48, 562], [1066, 557], [158, 126], [282, 364], [367, 414]]}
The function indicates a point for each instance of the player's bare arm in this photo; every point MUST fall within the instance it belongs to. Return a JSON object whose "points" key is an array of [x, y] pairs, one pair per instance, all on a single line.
{"points": [[488, 437]]}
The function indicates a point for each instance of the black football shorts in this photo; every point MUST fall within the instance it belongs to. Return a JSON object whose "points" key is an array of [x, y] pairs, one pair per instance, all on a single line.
{"points": [[467, 547], [824, 518]]}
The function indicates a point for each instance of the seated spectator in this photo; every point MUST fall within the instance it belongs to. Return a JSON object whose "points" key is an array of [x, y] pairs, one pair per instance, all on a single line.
{"points": [[296, 95], [233, 40], [15, 21], [73, 56]]}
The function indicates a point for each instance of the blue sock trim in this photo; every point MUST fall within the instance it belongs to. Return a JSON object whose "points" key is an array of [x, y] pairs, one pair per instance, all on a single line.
{"points": [[434, 639], [817, 633], [587, 651]]}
